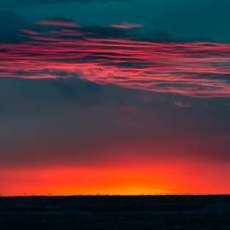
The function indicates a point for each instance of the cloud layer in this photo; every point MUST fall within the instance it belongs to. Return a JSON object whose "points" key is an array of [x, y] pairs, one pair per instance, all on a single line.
{"points": [[109, 55]]}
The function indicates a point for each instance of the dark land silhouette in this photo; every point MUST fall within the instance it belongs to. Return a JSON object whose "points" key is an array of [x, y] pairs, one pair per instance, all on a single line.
{"points": [[116, 212]]}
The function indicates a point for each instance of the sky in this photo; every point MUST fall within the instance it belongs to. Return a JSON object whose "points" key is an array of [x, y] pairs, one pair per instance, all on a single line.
{"points": [[114, 97]]}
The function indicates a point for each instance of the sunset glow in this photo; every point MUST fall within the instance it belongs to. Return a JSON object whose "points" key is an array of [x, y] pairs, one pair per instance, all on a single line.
{"points": [[114, 97], [150, 178]]}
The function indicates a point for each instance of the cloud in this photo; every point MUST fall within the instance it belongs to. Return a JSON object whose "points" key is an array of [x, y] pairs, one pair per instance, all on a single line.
{"points": [[127, 26], [59, 23], [195, 20], [104, 55], [182, 104]]}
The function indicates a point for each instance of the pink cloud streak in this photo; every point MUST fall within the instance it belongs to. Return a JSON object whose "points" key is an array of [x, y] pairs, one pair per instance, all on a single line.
{"points": [[190, 69]]}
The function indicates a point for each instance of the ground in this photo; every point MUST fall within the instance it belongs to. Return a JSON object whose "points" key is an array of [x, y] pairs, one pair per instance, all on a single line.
{"points": [[116, 213]]}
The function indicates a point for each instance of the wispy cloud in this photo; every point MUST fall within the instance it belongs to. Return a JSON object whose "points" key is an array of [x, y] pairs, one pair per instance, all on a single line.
{"points": [[194, 69], [127, 26], [58, 23]]}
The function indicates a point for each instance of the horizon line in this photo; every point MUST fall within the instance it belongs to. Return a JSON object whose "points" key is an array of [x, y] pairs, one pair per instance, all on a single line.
{"points": [[113, 195]]}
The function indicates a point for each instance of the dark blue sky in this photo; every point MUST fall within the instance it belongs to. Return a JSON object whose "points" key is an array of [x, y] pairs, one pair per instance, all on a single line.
{"points": [[192, 19]]}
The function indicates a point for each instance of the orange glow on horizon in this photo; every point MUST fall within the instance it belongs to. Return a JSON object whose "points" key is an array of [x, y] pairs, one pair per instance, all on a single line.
{"points": [[147, 179]]}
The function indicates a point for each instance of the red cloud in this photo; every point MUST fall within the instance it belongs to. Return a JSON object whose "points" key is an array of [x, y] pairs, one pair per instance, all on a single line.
{"points": [[127, 26], [59, 23], [193, 69]]}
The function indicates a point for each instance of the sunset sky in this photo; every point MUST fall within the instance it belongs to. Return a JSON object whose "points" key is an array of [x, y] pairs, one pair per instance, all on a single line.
{"points": [[114, 97]]}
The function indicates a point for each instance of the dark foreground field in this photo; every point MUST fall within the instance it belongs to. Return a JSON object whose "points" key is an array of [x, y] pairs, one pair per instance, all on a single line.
{"points": [[105, 213]]}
